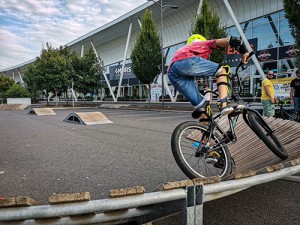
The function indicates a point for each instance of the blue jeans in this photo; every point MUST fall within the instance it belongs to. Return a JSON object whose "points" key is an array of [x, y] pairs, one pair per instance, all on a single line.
{"points": [[183, 72], [296, 104]]}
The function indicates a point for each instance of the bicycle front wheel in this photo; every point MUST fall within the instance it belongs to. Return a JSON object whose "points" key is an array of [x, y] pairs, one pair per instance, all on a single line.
{"points": [[259, 127], [188, 143]]}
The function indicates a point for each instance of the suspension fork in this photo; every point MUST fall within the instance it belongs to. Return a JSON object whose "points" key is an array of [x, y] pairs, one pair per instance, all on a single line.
{"points": [[231, 132], [249, 110]]}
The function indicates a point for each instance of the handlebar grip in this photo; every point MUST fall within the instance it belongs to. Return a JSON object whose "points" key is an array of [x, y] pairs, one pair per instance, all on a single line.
{"points": [[250, 55]]}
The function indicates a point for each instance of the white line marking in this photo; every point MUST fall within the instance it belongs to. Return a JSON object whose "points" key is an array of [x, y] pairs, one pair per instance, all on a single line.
{"points": [[1, 172]]}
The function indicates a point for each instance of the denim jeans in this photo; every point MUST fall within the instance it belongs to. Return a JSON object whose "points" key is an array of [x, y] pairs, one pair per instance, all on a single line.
{"points": [[296, 104], [183, 72]]}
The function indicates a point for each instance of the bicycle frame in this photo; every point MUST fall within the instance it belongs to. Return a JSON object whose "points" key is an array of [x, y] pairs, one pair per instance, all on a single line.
{"points": [[229, 135]]}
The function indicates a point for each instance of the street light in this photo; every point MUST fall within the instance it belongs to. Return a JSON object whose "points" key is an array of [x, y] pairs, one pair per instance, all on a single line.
{"points": [[162, 9]]}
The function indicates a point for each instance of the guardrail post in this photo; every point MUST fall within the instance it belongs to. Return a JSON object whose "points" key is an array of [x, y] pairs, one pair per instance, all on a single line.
{"points": [[194, 205]]}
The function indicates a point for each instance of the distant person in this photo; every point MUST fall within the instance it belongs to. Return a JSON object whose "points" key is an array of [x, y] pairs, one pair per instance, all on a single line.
{"points": [[268, 95], [295, 91]]}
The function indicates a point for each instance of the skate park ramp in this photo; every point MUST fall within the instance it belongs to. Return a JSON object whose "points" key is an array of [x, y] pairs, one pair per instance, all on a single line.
{"points": [[87, 118], [250, 153], [42, 111], [13, 106]]}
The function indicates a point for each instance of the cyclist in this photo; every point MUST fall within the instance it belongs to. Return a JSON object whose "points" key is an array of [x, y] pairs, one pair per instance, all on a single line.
{"points": [[192, 61]]}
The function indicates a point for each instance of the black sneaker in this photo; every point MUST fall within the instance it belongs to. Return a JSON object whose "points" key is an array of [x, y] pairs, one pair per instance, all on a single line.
{"points": [[197, 112]]}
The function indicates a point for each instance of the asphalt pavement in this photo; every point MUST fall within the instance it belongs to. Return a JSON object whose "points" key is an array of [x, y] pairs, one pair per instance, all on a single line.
{"points": [[42, 155]]}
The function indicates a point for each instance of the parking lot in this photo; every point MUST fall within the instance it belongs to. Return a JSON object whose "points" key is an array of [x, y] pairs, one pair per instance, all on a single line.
{"points": [[42, 155]]}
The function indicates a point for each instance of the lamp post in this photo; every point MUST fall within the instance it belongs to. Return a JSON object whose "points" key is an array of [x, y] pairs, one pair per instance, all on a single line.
{"points": [[162, 9]]}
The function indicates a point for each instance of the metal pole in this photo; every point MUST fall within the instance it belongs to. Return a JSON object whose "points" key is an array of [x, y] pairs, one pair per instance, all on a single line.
{"points": [[106, 79], [62, 210], [73, 93], [162, 55], [199, 7], [244, 38], [124, 59]]}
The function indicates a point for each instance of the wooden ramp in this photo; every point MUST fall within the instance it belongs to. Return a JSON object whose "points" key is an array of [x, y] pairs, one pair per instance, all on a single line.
{"points": [[42, 111], [250, 153], [13, 106], [87, 118]]}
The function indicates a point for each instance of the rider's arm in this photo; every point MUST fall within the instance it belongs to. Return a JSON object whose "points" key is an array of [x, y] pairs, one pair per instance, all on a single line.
{"points": [[267, 88], [222, 42], [234, 42]]}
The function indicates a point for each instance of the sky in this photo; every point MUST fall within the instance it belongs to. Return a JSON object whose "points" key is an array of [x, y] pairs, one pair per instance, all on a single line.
{"points": [[27, 25]]}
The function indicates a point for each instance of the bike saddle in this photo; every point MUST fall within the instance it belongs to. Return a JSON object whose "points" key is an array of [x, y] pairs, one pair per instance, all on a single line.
{"points": [[197, 112]]}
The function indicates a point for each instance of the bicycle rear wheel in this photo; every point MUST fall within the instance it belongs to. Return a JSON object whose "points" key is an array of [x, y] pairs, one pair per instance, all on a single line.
{"points": [[259, 127], [188, 147]]}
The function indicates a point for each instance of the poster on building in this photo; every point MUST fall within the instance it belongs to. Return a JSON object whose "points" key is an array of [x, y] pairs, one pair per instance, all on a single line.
{"points": [[155, 92], [233, 57], [282, 87]]}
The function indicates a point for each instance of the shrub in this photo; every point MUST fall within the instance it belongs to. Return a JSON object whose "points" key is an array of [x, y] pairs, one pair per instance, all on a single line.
{"points": [[16, 91]]}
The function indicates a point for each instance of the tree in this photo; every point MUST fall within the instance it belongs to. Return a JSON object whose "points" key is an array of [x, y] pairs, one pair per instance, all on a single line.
{"points": [[16, 91], [87, 72], [208, 24], [146, 54], [292, 12], [50, 72], [5, 84]]}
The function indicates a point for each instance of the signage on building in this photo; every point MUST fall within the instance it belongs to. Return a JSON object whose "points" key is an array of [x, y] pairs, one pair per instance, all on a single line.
{"points": [[287, 52], [115, 72], [282, 87], [267, 55]]}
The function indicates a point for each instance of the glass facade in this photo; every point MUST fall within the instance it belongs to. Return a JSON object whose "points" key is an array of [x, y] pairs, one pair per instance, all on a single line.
{"points": [[271, 40]]}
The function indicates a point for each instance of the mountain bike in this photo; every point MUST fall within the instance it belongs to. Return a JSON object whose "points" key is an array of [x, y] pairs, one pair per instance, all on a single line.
{"points": [[286, 114], [200, 148]]}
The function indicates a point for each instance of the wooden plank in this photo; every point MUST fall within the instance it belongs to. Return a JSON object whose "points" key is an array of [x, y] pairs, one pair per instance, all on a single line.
{"points": [[239, 175], [211, 180], [126, 192], [177, 184], [42, 111], [68, 198], [295, 162], [17, 202]]}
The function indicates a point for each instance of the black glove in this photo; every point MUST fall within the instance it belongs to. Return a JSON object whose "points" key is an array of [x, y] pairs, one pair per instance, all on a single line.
{"points": [[235, 42], [238, 44]]}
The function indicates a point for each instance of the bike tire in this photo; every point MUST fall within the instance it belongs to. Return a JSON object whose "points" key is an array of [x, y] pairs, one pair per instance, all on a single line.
{"points": [[184, 152], [269, 138]]}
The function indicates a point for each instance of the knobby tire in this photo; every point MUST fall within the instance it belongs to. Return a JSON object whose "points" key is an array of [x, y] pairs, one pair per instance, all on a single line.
{"points": [[269, 138], [185, 153]]}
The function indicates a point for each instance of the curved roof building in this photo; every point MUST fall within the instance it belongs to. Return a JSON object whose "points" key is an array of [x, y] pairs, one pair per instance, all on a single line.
{"points": [[263, 22]]}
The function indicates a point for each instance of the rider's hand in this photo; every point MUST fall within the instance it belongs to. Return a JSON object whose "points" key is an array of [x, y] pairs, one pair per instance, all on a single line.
{"points": [[292, 101], [245, 58]]}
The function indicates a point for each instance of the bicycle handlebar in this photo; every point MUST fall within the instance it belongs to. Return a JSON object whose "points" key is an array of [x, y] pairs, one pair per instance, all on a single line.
{"points": [[241, 63], [237, 70]]}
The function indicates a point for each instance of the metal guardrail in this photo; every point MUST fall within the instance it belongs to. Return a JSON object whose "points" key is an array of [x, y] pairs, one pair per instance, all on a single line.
{"points": [[133, 206], [188, 196]]}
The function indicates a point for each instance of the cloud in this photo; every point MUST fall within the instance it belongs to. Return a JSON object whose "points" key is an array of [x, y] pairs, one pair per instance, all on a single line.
{"points": [[28, 24]]}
